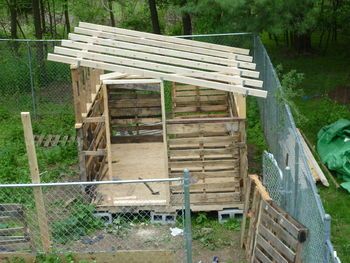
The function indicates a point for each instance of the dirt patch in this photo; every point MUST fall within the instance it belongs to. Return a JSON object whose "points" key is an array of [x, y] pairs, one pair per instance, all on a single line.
{"points": [[340, 94]]}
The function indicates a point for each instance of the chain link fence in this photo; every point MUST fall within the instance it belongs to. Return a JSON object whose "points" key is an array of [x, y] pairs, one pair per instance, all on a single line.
{"points": [[28, 82], [91, 218], [287, 175]]}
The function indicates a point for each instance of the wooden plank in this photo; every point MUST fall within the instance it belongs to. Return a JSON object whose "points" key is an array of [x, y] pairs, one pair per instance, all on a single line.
{"points": [[135, 103], [204, 108], [316, 171], [170, 39], [164, 132], [142, 112], [245, 67], [136, 139], [201, 98], [207, 187], [163, 44], [138, 121], [215, 198], [154, 74], [276, 243], [202, 93], [40, 140], [94, 119], [99, 152], [261, 189], [107, 131], [275, 215], [261, 256], [202, 152], [10, 231], [205, 120], [130, 81], [202, 128], [55, 140], [282, 233], [201, 175], [115, 57], [270, 250], [48, 140], [218, 140], [34, 173], [245, 212]]}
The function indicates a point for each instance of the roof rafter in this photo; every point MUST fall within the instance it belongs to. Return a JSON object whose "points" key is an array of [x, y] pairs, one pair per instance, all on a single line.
{"points": [[146, 55]]}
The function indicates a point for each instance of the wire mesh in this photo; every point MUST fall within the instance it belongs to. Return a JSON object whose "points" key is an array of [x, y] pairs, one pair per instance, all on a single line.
{"points": [[83, 218], [28, 82], [288, 177]]}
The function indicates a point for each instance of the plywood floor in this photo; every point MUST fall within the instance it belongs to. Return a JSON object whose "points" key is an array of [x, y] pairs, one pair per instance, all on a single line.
{"points": [[134, 161]]}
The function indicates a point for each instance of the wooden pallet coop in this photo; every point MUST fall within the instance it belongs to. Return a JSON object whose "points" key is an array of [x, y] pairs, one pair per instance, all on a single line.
{"points": [[149, 106]]}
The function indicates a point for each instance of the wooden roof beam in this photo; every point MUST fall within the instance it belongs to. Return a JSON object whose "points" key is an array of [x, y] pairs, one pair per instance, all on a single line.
{"points": [[157, 66], [170, 39], [156, 43], [163, 59], [153, 74], [244, 66]]}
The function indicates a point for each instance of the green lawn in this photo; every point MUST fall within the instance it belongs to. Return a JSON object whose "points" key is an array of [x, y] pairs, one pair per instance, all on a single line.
{"points": [[323, 72]]}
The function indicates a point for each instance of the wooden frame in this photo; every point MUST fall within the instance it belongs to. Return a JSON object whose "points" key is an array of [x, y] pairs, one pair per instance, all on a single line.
{"points": [[273, 235], [153, 56]]}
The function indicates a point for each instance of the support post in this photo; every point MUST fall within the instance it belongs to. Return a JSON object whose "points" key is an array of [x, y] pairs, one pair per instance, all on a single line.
{"points": [[75, 72], [81, 154], [108, 131], [188, 227], [34, 173], [165, 139]]}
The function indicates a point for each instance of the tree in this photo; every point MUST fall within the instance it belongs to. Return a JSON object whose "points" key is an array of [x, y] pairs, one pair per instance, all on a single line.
{"points": [[111, 15], [12, 4], [66, 16], [154, 16], [36, 18]]}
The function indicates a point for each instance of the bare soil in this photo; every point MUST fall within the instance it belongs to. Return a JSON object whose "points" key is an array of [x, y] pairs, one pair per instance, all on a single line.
{"points": [[154, 237]]}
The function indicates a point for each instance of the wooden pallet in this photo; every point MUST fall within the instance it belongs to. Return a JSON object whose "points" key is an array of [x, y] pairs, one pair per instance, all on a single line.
{"points": [[14, 232], [205, 138], [53, 140], [135, 113], [273, 235]]}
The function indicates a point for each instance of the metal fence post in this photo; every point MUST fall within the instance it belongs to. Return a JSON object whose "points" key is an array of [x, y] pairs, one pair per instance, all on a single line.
{"points": [[31, 78], [188, 228], [286, 190], [327, 232]]}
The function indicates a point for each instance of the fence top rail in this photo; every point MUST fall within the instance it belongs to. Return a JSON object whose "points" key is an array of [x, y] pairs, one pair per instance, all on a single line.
{"points": [[181, 36], [177, 179]]}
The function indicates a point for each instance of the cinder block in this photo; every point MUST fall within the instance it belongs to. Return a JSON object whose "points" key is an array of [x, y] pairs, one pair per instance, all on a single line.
{"points": [[106, 217], [163, 218], [224, 215]]}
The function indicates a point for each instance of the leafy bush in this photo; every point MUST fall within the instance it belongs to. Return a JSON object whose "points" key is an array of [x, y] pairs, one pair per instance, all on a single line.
{"points": [[80, 222]]}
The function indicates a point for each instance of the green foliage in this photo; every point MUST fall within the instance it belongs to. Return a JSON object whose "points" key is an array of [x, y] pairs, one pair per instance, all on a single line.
{"points": [[80, 222], [290, 90], [211, 234]]}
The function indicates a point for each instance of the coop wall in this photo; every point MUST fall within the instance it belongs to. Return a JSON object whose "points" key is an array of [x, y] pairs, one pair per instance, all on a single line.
{"points": [[207, 136], [135, 113]]}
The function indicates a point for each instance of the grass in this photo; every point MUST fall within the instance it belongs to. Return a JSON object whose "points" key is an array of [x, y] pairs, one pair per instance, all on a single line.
{"points": [[57, 162], [322, 73]]}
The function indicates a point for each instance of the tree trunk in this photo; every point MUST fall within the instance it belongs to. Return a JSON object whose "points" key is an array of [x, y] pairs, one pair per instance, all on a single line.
{"points": [[54, 18], [42, 14], [154, 16], [50, 18], [111, 15], [13, 13], [302, 42], [66, 16], [186, 23], [37, 21]]}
